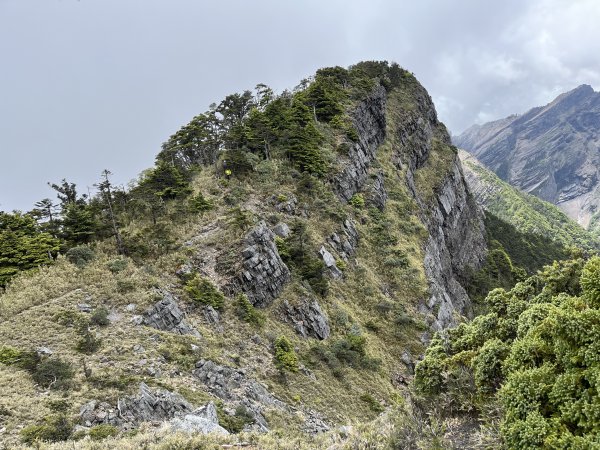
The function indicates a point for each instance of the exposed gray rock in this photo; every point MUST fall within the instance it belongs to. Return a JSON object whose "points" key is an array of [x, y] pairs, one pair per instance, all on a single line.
{"points": [[147, 406], [345, 243], [84, 307], [286, 204], [307, 318], [314, 423], [213, 317], [166, 315], [370, 123], [234, 386], [263, 273], [376, 193], [454, 221], [202, 420], [43, 351], [329, 262], [282, 230]]}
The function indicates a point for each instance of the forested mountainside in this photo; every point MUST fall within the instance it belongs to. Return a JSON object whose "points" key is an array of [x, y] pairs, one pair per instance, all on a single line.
{"points": [[550, 151], [272, 282]]}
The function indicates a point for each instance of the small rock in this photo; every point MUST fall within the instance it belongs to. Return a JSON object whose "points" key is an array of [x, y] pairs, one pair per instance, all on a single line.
{"points": [[137, 320], [329, 261], [131, 307], [282, 230], [114, 316], [84, 308], [44, 351], [138, 348], [344, 431]]}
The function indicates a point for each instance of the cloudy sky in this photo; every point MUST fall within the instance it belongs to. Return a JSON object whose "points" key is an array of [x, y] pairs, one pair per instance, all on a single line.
{"points": [[92, 84]]}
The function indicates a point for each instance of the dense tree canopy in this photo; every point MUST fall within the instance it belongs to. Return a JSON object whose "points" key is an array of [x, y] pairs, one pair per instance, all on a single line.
{"points": [[22, 245]]}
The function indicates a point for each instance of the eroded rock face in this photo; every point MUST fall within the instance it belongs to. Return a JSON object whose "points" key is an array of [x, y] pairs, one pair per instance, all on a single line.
{"points": [[147, 406], [263, 272], [376, 193], [203, 420], [369, 121], [235, 387], [166, 315], [307, 318], [454, 221], [345, 243]]}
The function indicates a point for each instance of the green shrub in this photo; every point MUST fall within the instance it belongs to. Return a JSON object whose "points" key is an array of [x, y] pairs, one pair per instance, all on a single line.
{"points": [[54, 429], [249, 313], [117, 265], [100, 432], [203, 291], [26, 360], [80, 256], [590, 281], [200, 204], [372, 403], [285, 355], [534, 357], [357, 200], [487, 365], [100, 317], [88, 343], [236, 423], [53, 373]]}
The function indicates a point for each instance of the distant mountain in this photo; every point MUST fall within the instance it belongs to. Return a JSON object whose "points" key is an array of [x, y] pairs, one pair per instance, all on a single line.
{"points": [[526, 213], [552, 152]]}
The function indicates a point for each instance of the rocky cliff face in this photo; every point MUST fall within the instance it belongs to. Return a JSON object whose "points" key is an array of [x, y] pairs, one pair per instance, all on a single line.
{"points": [[454, 221], [456, 240], [550, 151]]}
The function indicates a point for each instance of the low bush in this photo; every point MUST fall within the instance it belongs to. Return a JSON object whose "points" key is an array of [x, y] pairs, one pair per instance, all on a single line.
{"points": [[100, 432], [54, 429], [80, 256], [203, 291], [285, 355], [249, 313], [100, 317]]}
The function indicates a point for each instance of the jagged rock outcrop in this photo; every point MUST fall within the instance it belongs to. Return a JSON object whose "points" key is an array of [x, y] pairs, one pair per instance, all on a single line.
{"points": [[263, 272], [203, 420], [330, 264], [345, 243], [307, 318], [147, 406], [376, 193], [235, 387], [550, 151], [166, 315], [454, 221], [369, 121]]}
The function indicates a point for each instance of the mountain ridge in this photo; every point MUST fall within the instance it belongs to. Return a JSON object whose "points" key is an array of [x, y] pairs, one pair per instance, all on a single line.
{"points": [[550, 151]]}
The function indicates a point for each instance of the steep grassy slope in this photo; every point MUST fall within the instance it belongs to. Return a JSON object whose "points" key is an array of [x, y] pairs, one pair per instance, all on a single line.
{"points": [[332, 310]]}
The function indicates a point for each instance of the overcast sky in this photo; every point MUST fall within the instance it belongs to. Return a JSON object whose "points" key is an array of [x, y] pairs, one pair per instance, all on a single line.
{"points": [[93, 84]]}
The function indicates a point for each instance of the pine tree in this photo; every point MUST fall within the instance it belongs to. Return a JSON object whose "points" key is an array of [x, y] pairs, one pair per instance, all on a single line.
{"points": [[22, 245]]}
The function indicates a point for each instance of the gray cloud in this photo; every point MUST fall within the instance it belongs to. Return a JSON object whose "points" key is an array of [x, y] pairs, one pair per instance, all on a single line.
{"points": [[93, 84]]}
